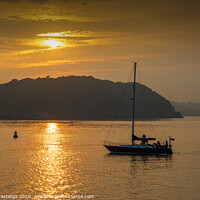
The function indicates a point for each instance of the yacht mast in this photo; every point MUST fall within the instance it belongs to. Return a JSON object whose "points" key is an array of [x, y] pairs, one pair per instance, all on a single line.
{"points": [[133, 118]]}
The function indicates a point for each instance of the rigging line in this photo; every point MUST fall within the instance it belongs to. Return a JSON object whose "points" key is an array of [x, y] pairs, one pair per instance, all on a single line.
{"points": [[151, 102], [163, 130], [142, 81], [120, 102]]}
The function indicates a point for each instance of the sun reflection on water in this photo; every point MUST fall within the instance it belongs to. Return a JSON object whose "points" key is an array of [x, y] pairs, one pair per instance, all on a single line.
{"points": [[51, 128], [56, 162]]}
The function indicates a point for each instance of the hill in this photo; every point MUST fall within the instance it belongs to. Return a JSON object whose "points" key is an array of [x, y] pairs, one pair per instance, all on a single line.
{"points": [[82, 98]]}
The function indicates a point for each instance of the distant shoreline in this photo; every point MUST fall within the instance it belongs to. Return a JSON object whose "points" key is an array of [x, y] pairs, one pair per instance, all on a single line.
{"points": [[187, 109]]}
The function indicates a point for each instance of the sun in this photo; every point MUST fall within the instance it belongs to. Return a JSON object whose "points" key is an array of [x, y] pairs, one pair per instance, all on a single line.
{"points": [[53, 43]]}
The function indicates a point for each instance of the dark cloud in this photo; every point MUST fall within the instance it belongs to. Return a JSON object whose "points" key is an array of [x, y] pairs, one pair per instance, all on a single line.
{"points": [[34, 1], [10, 1], [40, 1], [29, 29]]}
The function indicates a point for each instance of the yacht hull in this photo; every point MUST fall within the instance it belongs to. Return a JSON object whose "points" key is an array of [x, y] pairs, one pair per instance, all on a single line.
{"points": [[134, 149]]}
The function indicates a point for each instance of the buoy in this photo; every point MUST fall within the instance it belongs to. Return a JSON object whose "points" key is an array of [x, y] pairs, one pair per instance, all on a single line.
{"points": [[15, 135]]}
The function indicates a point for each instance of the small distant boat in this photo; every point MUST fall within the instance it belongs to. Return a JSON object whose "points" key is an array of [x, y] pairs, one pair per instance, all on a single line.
{"points": [[15, 135], [144, 147]]}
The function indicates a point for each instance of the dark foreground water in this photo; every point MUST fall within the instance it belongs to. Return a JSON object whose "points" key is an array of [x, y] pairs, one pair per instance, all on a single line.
{"points": [[61, 159]]}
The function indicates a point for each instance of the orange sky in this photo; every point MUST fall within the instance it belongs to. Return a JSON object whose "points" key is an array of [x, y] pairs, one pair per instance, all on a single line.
{"points": [[101, 38]]}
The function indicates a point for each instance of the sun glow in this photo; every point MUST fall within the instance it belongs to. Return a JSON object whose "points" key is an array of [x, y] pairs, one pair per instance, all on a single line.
{"points": [[53, 43]]}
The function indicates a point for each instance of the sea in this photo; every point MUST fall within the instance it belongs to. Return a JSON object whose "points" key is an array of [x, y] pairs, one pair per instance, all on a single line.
{"points": [[67, 160]]}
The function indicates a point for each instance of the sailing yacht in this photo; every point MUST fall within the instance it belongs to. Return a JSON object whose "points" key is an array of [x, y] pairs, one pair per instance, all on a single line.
{"points": [[143, 147]]}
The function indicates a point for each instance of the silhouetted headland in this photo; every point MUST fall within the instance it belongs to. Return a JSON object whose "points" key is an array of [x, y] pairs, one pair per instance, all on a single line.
{"points": [[79, 98]]}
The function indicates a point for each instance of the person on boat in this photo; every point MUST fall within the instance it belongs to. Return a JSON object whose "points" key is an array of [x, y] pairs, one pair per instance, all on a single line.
{"points": [[166, 143], [144, 139], [158, 143]]}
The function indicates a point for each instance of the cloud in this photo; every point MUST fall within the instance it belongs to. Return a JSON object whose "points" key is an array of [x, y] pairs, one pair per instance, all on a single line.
{"points": [[34, 1]]}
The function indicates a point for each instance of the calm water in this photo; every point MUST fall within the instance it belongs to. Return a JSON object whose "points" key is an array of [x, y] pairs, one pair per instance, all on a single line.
{"points": [[67, 158]]}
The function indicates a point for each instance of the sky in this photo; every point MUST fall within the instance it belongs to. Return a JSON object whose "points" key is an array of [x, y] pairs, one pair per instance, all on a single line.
{"points": [[102, 38]]}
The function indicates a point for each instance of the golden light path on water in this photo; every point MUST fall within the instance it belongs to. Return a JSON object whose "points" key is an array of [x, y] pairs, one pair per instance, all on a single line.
{"points": [[55, 162], [51, 128]]}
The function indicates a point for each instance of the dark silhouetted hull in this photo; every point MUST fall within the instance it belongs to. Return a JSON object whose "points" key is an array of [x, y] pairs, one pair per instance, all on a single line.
{"points": [[134, 149]]}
